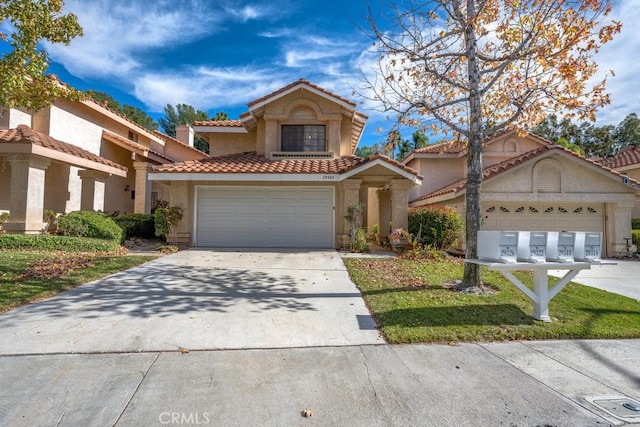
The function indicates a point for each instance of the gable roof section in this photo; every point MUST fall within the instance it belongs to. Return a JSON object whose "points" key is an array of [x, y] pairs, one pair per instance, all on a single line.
{"points": [[630, 156], [253, 163], [459, 147], [248, 119], [43, 145], [499, 168], [301, 83]]}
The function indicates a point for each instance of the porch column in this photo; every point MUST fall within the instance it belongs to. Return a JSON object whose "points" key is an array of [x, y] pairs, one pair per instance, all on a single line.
{"points": [[619, 227], [351, 196], [27, 193], [179, 196], [373, 211], [400, 203], [142, 202], [384, 213], [92, 193]]}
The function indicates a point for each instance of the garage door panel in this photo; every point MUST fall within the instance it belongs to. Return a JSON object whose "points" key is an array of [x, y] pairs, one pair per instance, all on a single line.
{"points": [[265, 217], [543, 217]]}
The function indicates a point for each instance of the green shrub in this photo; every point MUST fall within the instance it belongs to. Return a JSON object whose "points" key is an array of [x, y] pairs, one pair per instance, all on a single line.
{"points": [[635, 223], [4, 217], [45, 242], [635, 238], [160, 222], [90, 224], [441, 226], [137, 225], [167, 220], [360, 241]]}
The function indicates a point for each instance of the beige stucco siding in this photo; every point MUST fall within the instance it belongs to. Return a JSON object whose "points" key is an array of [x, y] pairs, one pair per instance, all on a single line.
{"points": [[12, 118], [437, 173], [576, 179], [221, 144]]}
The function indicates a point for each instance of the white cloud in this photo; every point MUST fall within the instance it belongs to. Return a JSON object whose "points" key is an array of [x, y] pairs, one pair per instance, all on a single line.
{"points": [[116, 36], [207, 88], [620, 55]]}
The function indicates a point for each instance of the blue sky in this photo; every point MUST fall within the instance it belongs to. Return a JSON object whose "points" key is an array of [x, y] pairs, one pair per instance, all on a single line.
{"points": [[220, 55]]}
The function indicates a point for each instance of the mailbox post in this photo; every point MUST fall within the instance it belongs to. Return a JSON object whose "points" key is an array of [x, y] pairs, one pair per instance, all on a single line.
{"points": [[541, 251]]}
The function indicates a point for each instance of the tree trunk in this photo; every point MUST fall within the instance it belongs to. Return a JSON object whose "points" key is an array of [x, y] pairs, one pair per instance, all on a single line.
{"points": [[474, 156]]}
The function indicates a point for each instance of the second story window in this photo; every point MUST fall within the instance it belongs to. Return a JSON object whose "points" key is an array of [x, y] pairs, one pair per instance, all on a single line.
{"points": [[303, 138], [133, 136]]}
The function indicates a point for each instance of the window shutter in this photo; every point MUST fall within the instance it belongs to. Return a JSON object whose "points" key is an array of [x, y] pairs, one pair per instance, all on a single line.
{"points": [[548, 179]]}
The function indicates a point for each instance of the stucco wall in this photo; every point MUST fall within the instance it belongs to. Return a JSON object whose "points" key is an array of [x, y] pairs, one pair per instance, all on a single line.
{"points": [[57, 195], [437, 173], [635, 174], [231, 143], [11, 118], [5, 188], [115, 198]]}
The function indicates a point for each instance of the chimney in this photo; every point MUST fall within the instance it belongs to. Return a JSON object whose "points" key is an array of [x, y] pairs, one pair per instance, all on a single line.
{"points": [[185, 133]]}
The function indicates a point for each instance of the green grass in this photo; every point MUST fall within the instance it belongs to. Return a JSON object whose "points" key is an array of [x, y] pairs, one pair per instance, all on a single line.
{"points": [[16, 291], [410, 304]]}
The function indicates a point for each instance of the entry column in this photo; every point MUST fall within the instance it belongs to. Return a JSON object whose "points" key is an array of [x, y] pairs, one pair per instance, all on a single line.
{"points": [[142, 203], [27, 193], [92, 194], [400, 203]]}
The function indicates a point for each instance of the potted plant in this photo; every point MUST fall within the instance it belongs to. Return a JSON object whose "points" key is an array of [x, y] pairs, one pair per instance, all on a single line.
{"points": [[399, 239]]}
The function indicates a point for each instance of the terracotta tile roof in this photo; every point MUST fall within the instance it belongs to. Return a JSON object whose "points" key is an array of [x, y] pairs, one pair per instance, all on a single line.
{"points": [[627, 157], [251, 162], [25, 135], [218, 123], [498, 168], [300, 81], [444, 147]]}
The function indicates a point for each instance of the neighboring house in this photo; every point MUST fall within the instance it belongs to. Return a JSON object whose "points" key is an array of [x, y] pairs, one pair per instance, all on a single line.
{"points": [[79, 155], [284, 175], [530, 184], [627, 162]]}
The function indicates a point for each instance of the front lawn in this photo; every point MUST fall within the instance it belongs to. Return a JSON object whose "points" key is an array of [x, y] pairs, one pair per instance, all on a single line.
{"points": [[31, 276], [411, 303]]}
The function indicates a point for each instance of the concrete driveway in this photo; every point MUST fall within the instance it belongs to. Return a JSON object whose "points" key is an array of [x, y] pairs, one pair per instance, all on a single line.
{"points": [[200, 300], [622, 278]]}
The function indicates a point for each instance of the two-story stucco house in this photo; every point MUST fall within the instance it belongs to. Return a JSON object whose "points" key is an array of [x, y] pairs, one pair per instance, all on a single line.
{"points": [[79, 156], [530, 184], [284, 175]]}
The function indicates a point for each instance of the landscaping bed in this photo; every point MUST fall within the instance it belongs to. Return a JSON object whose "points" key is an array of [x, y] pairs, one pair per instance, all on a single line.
{"points": [[414, 301]]}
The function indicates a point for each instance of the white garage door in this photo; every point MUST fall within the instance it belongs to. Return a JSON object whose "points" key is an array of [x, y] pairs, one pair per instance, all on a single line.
{"points": [[543, 217], [265, 217]]}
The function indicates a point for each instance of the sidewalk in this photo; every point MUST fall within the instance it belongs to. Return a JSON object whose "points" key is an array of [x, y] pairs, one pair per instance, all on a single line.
{"points": [[516, 383]]}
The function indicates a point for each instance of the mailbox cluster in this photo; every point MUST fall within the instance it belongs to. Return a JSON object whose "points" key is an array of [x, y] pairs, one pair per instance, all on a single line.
{"points": [[539, 246]]}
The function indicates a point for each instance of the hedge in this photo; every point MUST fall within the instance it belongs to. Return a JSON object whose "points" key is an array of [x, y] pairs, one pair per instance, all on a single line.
{"points": [[137, 225], [439, 227], [635, 223], [90, 224], [46, 242], [635, 238]]}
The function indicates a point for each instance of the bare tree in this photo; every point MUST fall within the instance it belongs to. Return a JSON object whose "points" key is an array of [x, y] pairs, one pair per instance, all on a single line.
{"points": [[473, 68]]}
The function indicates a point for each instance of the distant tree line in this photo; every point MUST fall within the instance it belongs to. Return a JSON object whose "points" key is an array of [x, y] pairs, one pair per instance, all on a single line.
{"points": [[591, 140]]}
